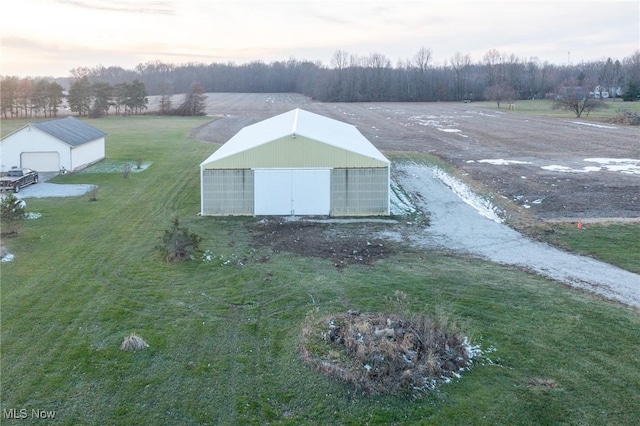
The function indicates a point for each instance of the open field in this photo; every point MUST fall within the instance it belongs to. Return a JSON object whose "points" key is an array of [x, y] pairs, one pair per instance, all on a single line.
{"points": [[223, 330]]}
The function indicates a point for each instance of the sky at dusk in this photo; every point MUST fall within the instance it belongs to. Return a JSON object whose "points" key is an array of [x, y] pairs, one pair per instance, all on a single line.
{"points": [[50, 37]]}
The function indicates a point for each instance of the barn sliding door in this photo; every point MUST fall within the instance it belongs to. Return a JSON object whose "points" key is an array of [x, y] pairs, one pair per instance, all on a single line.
{"points": [[292, 191]]}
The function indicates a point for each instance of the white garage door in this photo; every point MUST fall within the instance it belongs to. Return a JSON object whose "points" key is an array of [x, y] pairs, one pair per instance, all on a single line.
{"points": [[41, 161], [292, 191]]}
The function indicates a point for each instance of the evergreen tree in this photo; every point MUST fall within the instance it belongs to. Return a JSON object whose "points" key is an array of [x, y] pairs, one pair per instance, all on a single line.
{"points": [[194, 101], [80, 96], [102, 94], [631, 92]]}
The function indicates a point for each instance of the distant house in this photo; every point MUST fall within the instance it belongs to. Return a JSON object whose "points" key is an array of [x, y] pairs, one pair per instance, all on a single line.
{"points": [[53, 145], [296, 163]]}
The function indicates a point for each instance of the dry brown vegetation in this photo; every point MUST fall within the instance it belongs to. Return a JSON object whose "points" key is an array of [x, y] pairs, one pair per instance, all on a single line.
{"points": [[380, 353], [133, 343]]}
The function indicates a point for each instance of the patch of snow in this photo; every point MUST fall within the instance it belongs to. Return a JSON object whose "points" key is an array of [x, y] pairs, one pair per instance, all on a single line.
{"points": [[601, 126], [449, 130], [400, 203], [7, 258], [484, 114], [562, 169], [622, 165], [19, 203], [482, 205], [32, 215], [502, 162]]}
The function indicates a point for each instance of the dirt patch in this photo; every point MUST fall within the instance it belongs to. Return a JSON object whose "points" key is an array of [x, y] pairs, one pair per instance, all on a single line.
{"points": [[346, 243]]}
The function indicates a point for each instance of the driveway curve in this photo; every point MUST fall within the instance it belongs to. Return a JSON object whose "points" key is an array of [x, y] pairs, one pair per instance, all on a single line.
{"points": [[457, 225]]}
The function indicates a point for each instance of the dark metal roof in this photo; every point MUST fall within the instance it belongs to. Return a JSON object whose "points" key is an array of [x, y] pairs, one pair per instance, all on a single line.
{"points": [[70, 130]]}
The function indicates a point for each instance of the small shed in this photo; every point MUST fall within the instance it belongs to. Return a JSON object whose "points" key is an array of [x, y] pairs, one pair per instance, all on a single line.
{"points": [[53, 145], [296, 163]]}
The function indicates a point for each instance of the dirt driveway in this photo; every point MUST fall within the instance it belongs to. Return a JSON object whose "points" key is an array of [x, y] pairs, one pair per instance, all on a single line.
{"points": [[544, 168]]}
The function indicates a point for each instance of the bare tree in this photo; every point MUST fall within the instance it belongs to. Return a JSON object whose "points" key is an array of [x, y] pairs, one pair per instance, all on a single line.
{"points": [[576, 99], [340, 60], [422, 58], [460, 64], [165, 98], [493, 61], [499, 93]]}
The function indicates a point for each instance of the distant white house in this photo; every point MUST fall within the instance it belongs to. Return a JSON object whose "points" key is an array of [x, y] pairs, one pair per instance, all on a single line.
{"points": [[53, 145], [606, 92]]}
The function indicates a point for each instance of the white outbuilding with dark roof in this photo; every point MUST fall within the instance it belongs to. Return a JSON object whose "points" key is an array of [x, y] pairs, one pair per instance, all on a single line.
{"points": [[296, 163], [53, 145]]}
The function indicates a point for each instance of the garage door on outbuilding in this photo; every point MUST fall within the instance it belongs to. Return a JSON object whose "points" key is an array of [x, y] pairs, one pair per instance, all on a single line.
{"points": [[44, 161], [292, 192], [296, 163]]}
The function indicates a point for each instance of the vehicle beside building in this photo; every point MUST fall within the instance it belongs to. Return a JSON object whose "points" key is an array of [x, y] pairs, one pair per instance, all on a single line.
{"points": [[15, 179]]}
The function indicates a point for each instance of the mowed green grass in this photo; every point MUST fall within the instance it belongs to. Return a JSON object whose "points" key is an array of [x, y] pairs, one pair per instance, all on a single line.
{"points": [[618, 244], [223, 338]]}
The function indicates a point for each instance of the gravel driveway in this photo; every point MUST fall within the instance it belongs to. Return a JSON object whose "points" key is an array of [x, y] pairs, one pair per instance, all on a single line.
{"points": [[45, 189], [457, 225]]}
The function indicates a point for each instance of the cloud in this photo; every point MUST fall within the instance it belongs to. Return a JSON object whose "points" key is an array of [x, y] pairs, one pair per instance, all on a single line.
{"points": [[137, 6]]}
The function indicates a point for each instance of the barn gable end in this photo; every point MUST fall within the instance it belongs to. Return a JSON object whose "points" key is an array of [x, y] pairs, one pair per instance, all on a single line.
{"points": [[296, 163]]}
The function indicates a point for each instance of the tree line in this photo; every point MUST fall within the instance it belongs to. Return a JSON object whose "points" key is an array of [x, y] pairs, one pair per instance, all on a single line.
{"points": [[22, 97], [348, 78], [352, 78], [32, 98]]}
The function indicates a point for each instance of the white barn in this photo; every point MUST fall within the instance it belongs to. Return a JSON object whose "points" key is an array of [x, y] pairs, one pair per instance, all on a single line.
{"points": [[53, 145], [296, 163]]}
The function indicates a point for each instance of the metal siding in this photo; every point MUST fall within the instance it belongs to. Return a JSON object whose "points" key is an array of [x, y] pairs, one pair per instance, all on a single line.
{"points": [[360, 192], [227, 192], [294, 152]]}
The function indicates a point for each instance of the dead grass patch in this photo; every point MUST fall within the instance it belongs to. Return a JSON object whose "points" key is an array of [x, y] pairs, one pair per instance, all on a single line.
{"points": [[133, 343], [538, 383], [386, 353]]}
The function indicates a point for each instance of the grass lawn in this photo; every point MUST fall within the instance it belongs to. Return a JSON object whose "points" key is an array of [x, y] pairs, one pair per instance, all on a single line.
{"points": [[618, 244], [543, 107], [223, 335]]}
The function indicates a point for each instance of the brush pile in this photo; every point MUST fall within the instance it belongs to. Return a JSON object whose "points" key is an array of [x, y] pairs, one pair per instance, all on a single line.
{"points": [[627, 118], [386, 353]]}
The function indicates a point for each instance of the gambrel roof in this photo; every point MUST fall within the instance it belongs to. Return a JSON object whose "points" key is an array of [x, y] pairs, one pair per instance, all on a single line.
{"points": [[302, 123]]}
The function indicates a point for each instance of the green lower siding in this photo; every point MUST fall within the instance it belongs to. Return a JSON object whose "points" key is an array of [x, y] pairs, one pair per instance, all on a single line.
{"points": [[354, 192], [227, 192], [360, 192]]}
